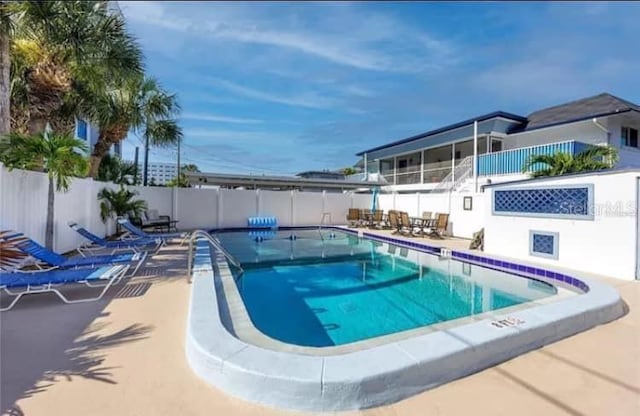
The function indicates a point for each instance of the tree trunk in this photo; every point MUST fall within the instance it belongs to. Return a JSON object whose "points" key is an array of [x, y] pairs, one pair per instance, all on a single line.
{"points": [[36, 125], [5, 82], [48, 237], [106, 138], [100, 149]]}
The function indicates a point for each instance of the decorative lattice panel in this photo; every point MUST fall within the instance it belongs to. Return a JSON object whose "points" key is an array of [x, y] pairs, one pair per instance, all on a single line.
{"points": [[569, 201], [543, 244]]}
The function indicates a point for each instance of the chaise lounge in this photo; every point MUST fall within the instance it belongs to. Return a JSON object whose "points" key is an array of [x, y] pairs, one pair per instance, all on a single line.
{"points": [[56, 260], [18, 283], [134, 245]]}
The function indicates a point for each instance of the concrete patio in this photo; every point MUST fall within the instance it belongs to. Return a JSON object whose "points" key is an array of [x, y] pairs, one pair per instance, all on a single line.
{"points": [[124, 355]]}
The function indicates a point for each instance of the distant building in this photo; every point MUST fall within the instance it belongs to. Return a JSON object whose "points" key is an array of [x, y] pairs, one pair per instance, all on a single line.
{"points": [[159, 172], [323, 174]]}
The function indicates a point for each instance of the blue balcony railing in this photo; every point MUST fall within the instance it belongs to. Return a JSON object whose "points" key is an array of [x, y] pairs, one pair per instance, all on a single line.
{"points": [[512, 161]]}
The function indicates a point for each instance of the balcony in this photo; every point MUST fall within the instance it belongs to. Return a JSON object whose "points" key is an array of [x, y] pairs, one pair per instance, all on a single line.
{"points": [[512, 161]]}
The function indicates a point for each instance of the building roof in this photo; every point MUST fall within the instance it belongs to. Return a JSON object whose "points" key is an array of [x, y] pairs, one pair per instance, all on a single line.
{"points": [[470, 121], [597, 106], [274, 182], [320, 173]]}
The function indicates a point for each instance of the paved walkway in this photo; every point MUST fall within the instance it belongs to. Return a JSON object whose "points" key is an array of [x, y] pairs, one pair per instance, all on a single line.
{"points": [[125, 356]]}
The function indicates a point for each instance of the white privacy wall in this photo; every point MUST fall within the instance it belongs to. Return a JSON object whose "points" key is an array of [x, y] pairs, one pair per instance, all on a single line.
{"points": [[605, 245], [23, 205], [462, 223]]}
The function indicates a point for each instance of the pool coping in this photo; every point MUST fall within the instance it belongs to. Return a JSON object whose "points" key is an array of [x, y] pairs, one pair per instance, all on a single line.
{"points": [[384, 373]]}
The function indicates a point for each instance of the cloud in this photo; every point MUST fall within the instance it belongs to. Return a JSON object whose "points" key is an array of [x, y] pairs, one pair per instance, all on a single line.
{"points": [[309, 99], [377, 42], [219, 119]]}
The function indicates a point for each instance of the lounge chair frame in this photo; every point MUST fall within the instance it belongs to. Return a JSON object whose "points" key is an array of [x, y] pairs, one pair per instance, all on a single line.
{"points": [[112, 276]]}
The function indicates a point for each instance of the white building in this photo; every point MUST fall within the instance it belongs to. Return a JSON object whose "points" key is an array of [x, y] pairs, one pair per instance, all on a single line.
{"points": [[159, 173], [90, 133], [495, 147]]}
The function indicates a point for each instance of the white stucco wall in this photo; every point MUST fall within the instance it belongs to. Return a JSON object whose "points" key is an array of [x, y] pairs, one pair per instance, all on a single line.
{"points": [[605, 245]]}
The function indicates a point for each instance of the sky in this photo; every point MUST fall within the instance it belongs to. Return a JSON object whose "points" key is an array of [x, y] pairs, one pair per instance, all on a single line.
{"points": [[280, 88]]}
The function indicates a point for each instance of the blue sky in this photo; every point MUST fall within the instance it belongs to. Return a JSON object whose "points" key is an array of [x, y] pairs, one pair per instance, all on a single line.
{"points": [[279, 88]]}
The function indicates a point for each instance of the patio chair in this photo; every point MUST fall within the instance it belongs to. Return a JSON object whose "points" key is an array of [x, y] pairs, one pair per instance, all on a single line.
{"points": [[396, 222], [133, 232], [121, 245], [152, 219], [406, 224], [440, 226], [425, 223], [58, 261], [353, 217], [376, 220], [20, 283]]}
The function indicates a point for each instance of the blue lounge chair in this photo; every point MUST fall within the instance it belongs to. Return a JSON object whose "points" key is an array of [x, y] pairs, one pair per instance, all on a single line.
{"points": [[133, 245], [132, 230], [19, 284], [56, 260]]}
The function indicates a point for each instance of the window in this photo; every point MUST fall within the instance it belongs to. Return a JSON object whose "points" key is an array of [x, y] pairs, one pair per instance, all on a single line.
{"points": [[543, 244], [565, 201], [629, 137], [81, 129]]}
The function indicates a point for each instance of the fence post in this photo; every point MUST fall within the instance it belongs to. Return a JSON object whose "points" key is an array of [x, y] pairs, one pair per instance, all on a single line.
{"points": [[293, 207], [219, 201], [324, 202], [258, 207], [174, 202]]}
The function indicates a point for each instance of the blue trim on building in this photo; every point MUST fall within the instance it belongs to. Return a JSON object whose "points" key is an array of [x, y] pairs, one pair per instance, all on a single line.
{"points": [[470, 121], [512, 161]]}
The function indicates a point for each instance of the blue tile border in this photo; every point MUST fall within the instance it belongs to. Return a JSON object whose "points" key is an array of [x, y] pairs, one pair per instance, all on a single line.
{"points": [[336, 382], [522, 270]]}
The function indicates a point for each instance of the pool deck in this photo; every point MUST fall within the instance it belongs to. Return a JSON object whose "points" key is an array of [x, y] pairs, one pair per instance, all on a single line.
{"points": [[125, 355]]}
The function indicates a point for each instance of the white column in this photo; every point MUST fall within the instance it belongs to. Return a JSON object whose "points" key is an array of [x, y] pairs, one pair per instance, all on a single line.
{"points": [[422, 167], [366, 171], [475, 156], [395, 170], [453, 162]]}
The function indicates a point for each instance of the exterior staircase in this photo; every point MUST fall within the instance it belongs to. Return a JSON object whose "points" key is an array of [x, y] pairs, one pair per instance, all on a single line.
{"points": [[457, 179]]}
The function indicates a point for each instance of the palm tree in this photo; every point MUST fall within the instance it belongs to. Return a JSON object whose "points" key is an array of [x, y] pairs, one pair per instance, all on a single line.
{"points": [[61, 50], [119, 203], [113, 169], [560, 163], [141, 106], [5, 65], [181, 180], [61, 157]]}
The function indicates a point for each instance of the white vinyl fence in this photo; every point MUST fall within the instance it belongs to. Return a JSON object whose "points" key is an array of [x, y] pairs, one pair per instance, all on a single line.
{"points": [[462, 223], [23, 205]]}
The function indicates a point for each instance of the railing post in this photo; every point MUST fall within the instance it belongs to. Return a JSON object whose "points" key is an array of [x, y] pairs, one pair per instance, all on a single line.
{"points": [[475, 156]]}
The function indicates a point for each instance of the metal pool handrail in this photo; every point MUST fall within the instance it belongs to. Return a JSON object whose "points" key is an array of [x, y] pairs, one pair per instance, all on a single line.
{"points": [[216, 244]]}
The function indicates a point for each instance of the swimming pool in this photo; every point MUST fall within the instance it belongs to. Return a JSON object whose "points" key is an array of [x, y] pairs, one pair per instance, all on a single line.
{"points": [[305, 326], [320, 288]]}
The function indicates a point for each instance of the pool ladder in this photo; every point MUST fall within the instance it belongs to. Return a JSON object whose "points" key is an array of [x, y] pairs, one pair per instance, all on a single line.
{"points": [[214, 242]]}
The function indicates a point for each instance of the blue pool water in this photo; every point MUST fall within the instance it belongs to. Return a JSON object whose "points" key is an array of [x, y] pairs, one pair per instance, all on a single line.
{"points": [[324, 288]]}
